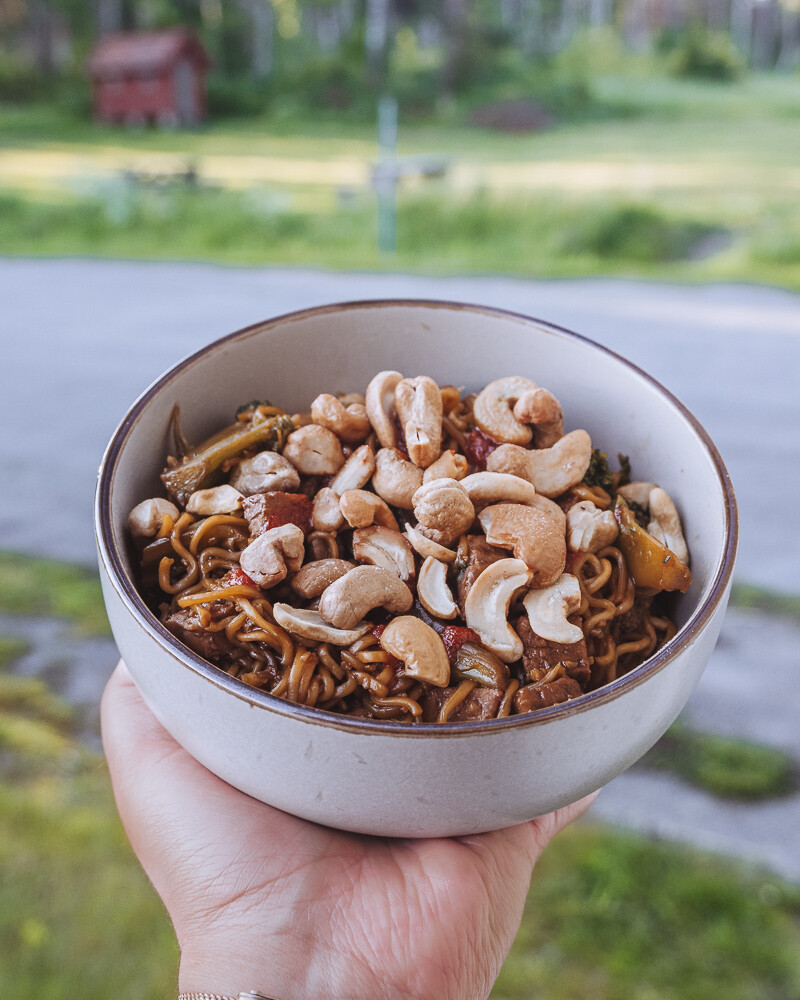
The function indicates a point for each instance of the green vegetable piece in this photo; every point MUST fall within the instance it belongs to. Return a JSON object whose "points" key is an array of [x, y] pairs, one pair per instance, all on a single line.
{"points": [[650, 563], [599, 471], [198, 466], [474, 663]]}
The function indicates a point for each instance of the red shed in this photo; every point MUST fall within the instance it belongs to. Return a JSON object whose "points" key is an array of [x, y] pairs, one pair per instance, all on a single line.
{"points": [[149, 77]]}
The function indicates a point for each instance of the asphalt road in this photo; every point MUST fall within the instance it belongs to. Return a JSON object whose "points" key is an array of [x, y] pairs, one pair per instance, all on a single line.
{"points": [[81, 339]]}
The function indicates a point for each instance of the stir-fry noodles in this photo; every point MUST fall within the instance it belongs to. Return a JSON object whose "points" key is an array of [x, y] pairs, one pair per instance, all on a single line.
{"points": [[416, 554]]}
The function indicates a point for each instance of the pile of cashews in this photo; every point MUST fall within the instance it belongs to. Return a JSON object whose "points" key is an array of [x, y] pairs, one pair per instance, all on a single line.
{"points": [[355, 443]]}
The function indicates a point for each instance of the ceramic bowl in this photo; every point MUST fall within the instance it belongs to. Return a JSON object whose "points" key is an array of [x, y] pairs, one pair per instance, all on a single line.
{"points": [[391, 778]]}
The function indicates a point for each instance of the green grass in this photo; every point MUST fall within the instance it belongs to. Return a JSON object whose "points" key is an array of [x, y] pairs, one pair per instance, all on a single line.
{"points": [[632, 193], [42, 587], [745, 595], [729, 768], [615, 917], [11, 648]]}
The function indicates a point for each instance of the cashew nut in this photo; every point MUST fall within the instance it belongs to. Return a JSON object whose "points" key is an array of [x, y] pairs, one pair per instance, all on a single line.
{"points": [[310, 580], [216, 500], [362, 508], [356, 470], [348, 398], [497, 487], [449, 465], [395, 479], [314, 450], [349, 598], [427, 547], [551, 470], [487, 603], [443, 510], [264, 473], [419, 647], [144, 521], [535, 534], [590, 529], [384, 547], [310, 624], [493, 409], [380, 406], [549, 608], [269, 557], [348, 423], [326, 514], [540, 408], [418, 404], [638, 493], [665, 524], [432, 590]]}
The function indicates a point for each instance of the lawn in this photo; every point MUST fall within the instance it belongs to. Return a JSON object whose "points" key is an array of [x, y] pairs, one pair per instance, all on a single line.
{"points": [[676, 180]]}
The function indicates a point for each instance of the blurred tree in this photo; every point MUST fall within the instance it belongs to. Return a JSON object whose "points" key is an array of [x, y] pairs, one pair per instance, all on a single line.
{"points": [[789, 53]]}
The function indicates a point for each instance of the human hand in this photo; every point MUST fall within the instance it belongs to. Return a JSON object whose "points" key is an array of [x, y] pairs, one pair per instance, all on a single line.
{"points": [[262, 900]]}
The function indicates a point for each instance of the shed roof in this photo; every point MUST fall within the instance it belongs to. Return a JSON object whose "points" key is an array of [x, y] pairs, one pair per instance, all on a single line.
{"points": [[143, 52]]}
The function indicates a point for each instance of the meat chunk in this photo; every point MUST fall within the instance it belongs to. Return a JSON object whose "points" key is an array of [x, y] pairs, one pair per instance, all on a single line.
{"points": [[535, 696], [184, 625], [480, 703], [540, 655], [480, 554], [271, 510], [632, 623]]}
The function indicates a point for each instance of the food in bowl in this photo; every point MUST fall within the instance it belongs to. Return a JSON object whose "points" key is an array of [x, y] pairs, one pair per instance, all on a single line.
{"points": [[415, 554]]}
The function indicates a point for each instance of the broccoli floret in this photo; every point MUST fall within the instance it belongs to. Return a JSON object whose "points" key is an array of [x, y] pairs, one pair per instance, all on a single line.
{"points": [[599, 472]]}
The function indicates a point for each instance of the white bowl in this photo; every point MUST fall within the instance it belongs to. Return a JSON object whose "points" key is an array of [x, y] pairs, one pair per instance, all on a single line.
{"points": [[390, 778]]}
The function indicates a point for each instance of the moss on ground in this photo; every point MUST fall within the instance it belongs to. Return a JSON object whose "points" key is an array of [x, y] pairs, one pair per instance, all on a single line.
{"points": [[45, 588], [726, 767]]}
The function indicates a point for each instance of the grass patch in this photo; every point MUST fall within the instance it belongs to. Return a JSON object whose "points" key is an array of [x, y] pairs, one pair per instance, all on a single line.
{"points": [[746, 595], [11, 648], [42, 587], [726, 767], [613, 916], [643, 192]]}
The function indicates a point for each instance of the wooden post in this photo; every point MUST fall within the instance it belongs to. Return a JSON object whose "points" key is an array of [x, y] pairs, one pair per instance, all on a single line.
{"points": [[386, 174]]}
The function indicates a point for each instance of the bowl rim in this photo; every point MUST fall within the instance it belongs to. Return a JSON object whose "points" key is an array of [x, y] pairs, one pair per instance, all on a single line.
{"points": [[113, 563]]}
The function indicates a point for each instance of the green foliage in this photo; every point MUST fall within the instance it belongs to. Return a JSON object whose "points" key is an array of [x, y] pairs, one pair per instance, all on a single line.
{"points": [[704, 54], [613, 916], [30, 586], [634, 232], [236, 96], [11, 648], [744, 595], [730, 768]]}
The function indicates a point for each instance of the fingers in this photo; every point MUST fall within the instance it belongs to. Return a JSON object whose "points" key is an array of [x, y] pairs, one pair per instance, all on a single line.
{"points": [[544, 828]]}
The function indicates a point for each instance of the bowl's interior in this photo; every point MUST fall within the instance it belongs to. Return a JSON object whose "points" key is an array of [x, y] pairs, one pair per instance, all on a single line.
{"points": [[291, 359]]}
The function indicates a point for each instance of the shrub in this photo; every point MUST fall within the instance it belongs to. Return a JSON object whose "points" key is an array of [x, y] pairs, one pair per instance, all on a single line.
{"points": [[705, 54]]}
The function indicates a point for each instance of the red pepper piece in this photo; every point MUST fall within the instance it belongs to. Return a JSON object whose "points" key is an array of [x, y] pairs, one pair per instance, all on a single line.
{"points": [[454, 637], [479, 447]]}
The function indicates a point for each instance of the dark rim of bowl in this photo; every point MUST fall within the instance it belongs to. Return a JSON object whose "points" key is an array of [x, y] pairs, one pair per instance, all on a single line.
{"points": [[129, 594]]}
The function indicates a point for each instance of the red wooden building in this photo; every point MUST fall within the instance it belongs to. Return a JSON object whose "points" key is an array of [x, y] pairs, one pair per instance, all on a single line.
{"points": [[156, 77]]}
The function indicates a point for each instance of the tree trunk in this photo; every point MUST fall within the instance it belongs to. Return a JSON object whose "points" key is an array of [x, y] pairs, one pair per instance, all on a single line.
{"points": [[789, 54], [742, 27], [532, 28], [376, 41], [262, 18], [43, 40], [454, 22]]}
